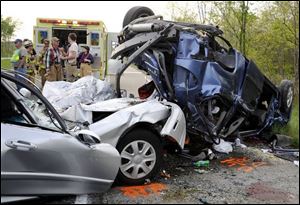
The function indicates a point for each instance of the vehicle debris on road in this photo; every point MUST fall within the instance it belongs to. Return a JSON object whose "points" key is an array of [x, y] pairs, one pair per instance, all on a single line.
{"points": [[201, 163], [223, 147], [147, 181], [180, 169], [201, 171], [165, 175], [238, 143]]}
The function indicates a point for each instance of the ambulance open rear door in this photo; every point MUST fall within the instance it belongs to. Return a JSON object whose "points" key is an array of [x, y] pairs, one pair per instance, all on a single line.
{"points": [[40, 33], [95, 40]]}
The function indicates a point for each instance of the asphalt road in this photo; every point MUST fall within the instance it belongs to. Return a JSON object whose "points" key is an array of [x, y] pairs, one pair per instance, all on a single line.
{"points": [[246, 175]]}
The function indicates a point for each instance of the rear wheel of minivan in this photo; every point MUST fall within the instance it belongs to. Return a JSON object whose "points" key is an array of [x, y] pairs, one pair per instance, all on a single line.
{"points": [[286, 97], [141, 156]]}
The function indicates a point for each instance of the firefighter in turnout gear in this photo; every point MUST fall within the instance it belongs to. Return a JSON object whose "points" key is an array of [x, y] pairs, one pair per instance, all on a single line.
{"points": [[41, 61], [54, 71], [30, 59]]}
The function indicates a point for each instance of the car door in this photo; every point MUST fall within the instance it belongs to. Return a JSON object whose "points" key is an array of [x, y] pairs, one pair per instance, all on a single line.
{"points": [[38, 156]]}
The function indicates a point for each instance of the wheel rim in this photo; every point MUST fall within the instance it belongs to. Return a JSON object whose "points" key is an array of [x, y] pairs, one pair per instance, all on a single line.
{"points": [[289, 97], [137, 159]]}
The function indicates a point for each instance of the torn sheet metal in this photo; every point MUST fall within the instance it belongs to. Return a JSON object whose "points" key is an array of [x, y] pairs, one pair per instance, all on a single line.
{"points": [[76, 113]]}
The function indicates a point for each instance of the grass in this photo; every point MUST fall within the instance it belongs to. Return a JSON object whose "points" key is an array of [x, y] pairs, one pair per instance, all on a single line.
{"points": [[292, 128], [5, 64]]}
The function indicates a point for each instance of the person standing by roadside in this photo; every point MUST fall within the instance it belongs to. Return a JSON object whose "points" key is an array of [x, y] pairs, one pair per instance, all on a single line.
{"points": [[30, 59], [52, 62], [18, 59], [85, 59], [41, 61], [71, 56]]}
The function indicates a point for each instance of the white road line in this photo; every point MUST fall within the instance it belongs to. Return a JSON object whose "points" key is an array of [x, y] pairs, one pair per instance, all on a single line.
{"points": [[81, 199]]}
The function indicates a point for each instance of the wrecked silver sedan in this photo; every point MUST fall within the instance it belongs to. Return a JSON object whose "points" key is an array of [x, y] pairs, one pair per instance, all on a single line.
{"points": [[139, 129], [40, 156]]}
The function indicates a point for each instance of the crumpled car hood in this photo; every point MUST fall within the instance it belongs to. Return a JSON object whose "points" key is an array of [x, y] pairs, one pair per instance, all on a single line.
{"points": [[110, 128], [111, 105]]}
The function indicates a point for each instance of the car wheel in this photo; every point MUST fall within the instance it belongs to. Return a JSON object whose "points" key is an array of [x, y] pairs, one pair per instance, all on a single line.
{"points": [[141, 156], [286, 95], [136, 12]]}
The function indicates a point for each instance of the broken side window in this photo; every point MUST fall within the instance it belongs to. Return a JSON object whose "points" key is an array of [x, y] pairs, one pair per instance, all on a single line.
{"points": [[9, 110], [38, 109]]}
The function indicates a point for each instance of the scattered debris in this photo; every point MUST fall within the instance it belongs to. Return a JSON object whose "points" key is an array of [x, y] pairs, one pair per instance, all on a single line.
{"points": [[285, 153], [201, 163], [266, 150], [289, 156], [180, 169], [223, 147], [203, 201], [210, 154], [201, 171], [239, 144], [203, 155], [147, 181], [198, 157], [282, 140], [165, 174], [296, 163]]}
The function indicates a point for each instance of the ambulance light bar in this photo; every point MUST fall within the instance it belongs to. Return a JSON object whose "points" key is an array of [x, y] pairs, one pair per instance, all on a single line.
{"points": [[57, 21]]}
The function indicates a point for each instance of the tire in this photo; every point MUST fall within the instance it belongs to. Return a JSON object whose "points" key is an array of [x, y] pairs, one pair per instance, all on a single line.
{"points": [[286, 97], [136, 12], [141, 137]]}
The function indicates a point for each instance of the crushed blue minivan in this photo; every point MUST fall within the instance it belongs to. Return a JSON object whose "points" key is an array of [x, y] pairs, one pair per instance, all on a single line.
{"points": [[221, 91]]}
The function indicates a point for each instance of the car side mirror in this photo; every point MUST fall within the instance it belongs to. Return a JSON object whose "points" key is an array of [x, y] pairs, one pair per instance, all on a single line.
{"points": [[87, 135]]}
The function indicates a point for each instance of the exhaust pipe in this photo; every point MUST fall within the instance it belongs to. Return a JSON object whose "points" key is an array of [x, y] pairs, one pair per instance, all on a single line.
{"points": [[145, 27]]}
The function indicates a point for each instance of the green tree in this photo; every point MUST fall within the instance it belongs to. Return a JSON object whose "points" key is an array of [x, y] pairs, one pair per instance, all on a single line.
{"points": [[233, 17], [184, 13], [275, 41], [8, 27]]}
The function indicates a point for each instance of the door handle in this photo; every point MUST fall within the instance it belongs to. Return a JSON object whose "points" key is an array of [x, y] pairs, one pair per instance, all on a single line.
{"points": [[21, 145]]}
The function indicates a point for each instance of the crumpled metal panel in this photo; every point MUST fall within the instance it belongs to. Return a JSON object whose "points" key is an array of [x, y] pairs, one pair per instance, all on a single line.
{"points": [[112, 105], [194, 78], [112, 127], [176, 125]]}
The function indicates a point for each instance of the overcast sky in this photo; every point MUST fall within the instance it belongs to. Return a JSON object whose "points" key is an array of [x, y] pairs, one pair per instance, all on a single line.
{"points": [[110, 12]]}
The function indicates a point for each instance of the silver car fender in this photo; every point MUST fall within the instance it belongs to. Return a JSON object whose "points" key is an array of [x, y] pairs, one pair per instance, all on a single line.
{"points": [[111, 128]]}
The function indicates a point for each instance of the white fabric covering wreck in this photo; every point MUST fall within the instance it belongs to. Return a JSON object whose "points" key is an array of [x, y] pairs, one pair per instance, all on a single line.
{"points": [[67, 97]]}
